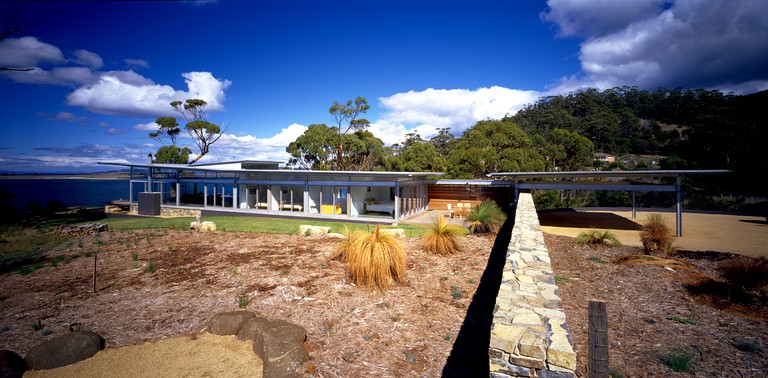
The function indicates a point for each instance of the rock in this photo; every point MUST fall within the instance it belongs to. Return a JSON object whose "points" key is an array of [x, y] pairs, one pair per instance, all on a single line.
{"points": [[253, 328], [11, 364], [308, 230], [203, 226], [279, 345], [64, 350], [228, 323], [399, 232], [335, 235]]}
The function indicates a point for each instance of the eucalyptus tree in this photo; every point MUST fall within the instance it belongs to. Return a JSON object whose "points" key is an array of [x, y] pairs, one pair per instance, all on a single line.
{"points": [[204, 133]]}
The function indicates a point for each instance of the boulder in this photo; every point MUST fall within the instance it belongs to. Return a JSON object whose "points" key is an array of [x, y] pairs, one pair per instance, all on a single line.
{"points": [[64, 350], [399, 232], [11, 364], [203, 226], [279, 345], [228, 323], [308, 230]]}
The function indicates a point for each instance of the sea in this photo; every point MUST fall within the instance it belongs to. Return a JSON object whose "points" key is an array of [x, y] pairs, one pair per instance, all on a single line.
{"points": [[68, 191]]}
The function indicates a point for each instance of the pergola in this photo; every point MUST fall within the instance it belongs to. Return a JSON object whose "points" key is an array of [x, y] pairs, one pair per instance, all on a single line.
{"points": [[608, 180]]}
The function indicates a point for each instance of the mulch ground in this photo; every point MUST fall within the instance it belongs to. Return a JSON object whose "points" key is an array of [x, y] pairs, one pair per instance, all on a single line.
{"points": [[155, 284]]}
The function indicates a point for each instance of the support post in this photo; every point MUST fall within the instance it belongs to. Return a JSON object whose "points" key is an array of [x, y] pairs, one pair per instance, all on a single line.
{"points": [[94, 272], [679, 207], [598, 340]]}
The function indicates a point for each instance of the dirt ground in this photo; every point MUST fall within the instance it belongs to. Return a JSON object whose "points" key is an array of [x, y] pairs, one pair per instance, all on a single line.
{"points": [[158, 284]]}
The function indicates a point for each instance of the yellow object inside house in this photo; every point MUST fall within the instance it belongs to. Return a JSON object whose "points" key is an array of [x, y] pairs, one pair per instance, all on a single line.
{"points": [[329, 209]]}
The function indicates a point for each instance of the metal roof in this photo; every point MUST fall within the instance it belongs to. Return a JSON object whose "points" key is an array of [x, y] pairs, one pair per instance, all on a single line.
{"points": [[627, 174], [185, 167]]}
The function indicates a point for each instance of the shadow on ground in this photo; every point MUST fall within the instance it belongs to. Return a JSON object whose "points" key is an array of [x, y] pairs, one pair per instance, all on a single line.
{"points": [[574, 219], [469, 356]]}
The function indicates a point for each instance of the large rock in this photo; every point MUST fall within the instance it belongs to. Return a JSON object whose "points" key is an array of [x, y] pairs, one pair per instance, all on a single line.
{"points": [[64, 350], [308, 230], [203, 226], [228, 323], [279, 345], [11, 364], [399, 232]]}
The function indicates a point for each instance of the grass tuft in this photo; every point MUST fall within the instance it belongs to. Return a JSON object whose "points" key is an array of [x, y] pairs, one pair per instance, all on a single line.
{"points": [[655, 235], [441, 239], [678, 360], [595, 237], [745, 272], [375, 259], [486, 217]]}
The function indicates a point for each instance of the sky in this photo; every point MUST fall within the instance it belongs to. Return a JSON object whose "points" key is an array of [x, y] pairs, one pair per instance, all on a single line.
{"points": [[103, 71]]}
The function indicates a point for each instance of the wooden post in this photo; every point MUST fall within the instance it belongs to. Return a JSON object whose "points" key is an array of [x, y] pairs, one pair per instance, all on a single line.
{"points": [[598, 340], [94, 272]]}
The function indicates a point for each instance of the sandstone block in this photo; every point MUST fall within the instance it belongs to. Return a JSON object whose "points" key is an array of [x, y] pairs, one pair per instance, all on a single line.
{"points": [[64, 350], [308, 230], [203, 226], [228, 323]]}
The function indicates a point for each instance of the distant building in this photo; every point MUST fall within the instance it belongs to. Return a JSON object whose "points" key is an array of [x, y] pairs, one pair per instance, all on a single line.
{"points": [[605, 158]]}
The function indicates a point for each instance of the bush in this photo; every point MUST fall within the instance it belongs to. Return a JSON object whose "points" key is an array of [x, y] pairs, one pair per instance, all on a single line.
{"points": [[442, 238], [745, 272], [375, 259], [656, 235], [593, 237], [678, 360], [340, 251], [486, 217]]}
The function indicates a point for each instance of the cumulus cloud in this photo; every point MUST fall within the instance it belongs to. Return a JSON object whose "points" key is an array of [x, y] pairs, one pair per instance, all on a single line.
{"points": [[111, 95], [28, 52], [149, 126], [458, 109], [87, 58], [239, 147], [652, 44]]}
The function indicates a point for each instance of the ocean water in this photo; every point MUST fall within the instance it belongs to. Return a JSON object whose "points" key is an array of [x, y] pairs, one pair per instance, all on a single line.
{"points": [[70, 192]]}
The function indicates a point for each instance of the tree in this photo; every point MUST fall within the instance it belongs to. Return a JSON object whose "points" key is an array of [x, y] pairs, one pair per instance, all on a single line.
{"points": [[348, 113], [168, 128], [317, 149], [172, 155], [312, 150], [494, 146], [203, 132]]}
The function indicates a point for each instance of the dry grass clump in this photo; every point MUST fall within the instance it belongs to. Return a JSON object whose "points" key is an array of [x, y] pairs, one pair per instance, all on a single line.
{"points": [[746, 272], [442, 238], [340, 250], [594, 237], [375, 259], [656, 235]]}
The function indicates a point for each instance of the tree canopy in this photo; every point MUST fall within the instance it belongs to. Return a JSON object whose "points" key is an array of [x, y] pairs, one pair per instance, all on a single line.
{"points": [[203, 133]]}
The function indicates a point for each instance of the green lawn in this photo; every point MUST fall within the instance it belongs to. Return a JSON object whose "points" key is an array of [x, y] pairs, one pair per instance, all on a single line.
{"points": [[250, 224]]}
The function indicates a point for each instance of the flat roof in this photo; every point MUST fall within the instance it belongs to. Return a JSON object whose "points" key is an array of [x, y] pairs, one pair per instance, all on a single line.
{"points": [[187, 167], [585, 174]]}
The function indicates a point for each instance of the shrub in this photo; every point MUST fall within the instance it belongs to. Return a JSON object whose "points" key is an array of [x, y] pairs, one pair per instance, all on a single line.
{"points": [[593, 237], [486, 217], [442, 238], [745, 272], [678, 360], [656, 235], [375, 259]]}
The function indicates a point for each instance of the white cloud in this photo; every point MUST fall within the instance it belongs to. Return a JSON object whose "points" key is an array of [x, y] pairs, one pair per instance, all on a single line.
{"points": [[139, 63], [67, 117], [239, 147], [149, 126], [111, 95], [457, 109], [686, 43], [87, 58], [28, 52]]}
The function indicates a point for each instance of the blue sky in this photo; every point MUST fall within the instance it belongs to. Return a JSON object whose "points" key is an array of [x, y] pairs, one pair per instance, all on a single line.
{"points": [[104, 71]]}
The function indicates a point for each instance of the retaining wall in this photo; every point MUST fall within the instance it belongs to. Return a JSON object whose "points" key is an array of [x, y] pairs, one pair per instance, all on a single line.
{"points": [[529, 337]]}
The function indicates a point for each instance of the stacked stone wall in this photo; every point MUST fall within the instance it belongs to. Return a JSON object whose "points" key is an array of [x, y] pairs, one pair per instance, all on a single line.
{"points": [[529, 336], [169, 211]]}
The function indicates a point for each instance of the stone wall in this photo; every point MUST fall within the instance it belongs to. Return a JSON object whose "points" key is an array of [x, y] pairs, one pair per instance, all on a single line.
{"points": [[529, 337], [169, 211]]}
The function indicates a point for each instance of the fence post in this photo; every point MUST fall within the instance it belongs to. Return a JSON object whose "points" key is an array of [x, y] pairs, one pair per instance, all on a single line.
{"points": [[598, 340]]}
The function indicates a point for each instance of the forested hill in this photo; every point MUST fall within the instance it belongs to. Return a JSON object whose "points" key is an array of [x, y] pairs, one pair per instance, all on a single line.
{"points": [[695, 129]]}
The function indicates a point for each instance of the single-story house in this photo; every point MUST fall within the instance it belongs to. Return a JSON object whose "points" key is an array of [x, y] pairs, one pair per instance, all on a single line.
{"points": [[261, 187]]}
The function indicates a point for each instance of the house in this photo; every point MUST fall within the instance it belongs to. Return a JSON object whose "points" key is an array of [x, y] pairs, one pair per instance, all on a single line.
{"points": [[259, 187], [605, 158]]}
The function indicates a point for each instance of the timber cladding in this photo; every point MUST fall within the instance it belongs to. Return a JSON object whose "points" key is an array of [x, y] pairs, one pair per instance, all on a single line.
{"points": [[442, 194]]}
